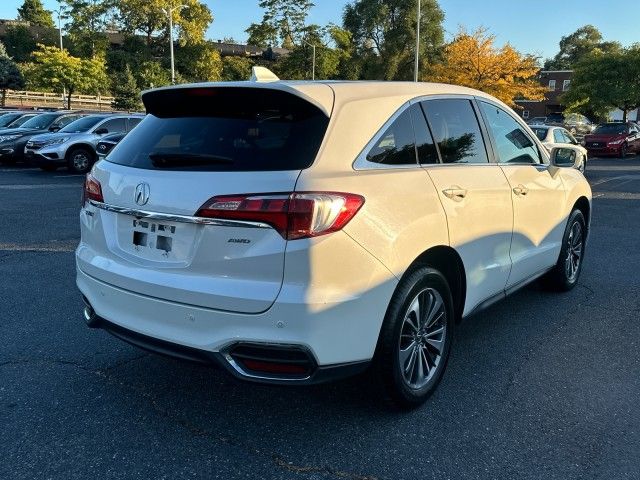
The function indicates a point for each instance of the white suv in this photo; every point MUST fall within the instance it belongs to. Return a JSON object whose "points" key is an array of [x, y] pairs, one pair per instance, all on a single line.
{"points": [[295, 232]]}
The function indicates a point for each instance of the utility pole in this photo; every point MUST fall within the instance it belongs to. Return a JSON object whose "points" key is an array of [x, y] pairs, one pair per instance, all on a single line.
{"points": [[169, 13], [313, 67], [416, 66], [60, 12]]}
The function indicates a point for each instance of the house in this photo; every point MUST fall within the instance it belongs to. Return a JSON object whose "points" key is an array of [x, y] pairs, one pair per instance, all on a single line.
{"points": [[556, 82]]}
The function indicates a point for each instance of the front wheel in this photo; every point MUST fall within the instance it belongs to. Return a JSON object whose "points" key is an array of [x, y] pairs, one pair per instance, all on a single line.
{"points": [[623, 151], [80, 160], [415, 339], [564, 276]]}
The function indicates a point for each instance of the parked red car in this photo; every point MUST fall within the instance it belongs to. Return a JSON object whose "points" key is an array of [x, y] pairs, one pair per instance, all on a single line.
{"points": [[613, 139]]}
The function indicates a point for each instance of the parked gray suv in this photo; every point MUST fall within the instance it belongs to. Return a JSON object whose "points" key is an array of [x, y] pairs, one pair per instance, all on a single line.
{"points": [[74, 146]]}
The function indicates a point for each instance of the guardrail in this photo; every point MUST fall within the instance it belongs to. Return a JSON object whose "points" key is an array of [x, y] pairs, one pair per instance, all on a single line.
{"points": [[27, 99]]}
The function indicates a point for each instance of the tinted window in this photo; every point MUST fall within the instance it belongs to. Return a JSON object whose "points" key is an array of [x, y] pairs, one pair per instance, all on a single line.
{"points": [[81, 124], [568, 138], [512, 142], [114, 125], [455, 129], [557, 136], [396, 146], [134, 121], [64, 121], [18, 122], [7, 118], [541, 133], [224, 129], [425, 146], [40, 122]]}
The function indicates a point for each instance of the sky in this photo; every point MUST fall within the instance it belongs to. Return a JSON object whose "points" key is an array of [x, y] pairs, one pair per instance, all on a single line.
{"points": [[531, 27]]}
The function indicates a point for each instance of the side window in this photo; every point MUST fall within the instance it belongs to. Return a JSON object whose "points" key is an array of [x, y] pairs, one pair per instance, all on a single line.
{"points": [[64, 121], [397, 144], [133, 121], [512, 142], [456, 130], [568, 138], [427, 153], [558, 137], [114, 125]]}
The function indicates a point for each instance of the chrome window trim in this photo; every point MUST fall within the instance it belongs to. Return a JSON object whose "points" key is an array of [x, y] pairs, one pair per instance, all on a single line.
{"points": [[177, 218]]}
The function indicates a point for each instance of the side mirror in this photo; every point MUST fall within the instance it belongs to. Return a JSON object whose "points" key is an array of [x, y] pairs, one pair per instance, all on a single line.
{"points": [[101, 131], [54, 128], [563, 157]]}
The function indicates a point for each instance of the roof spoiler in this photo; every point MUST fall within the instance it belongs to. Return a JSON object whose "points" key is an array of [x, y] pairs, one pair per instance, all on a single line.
{"points": [[262, 74]]}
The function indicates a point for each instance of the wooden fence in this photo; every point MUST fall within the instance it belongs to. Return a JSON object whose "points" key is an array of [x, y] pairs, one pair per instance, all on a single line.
{"points": [[26, 99]]}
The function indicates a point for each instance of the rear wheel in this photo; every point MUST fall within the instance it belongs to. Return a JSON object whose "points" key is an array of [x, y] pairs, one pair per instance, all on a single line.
{"points": [[80, 160], [566, 273], [415, 339]]}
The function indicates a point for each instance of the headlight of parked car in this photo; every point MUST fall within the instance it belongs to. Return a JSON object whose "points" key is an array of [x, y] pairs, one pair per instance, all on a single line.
{"points": [[57, 141], [616, 142], [8, 138]]}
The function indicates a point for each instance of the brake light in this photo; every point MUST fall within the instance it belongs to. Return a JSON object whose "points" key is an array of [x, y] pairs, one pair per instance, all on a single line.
{"points": [[92, 190], [293, 215]]}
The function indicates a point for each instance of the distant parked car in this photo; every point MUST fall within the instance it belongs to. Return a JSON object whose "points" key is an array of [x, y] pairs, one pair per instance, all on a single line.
{"points": [[74, 146], [13, 140], [537, 121], [559, 137], [614, 139], [106, 144], [20, 119], [577, 124], [7, 118]]}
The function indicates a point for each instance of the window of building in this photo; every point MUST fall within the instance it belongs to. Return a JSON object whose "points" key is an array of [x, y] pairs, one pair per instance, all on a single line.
{"points": [[525, 114], [565, 85], [552, 85]]}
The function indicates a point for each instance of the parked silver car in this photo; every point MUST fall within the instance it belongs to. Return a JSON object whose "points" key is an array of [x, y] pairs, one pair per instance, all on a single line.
{"points": [[75, 145]]}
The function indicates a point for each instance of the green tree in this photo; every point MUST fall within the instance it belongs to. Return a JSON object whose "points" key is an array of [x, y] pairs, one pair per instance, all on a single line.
{"points": [[384, 34], [125, 91], [10, 77], [151, 74], [579, 45], [87, 21], [603, 82], [235, 69], [33, 11], [21, 42], [283, 23], [202, 61], [58, 71], [149, 17]]}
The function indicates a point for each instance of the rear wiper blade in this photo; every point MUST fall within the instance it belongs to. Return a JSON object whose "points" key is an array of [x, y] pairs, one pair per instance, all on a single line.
{"points": [[161, 160]]}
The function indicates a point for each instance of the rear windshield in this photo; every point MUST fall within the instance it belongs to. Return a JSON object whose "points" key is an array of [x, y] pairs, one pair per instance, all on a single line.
{"points": [[611, 129], [541, 133], [224, 129]]}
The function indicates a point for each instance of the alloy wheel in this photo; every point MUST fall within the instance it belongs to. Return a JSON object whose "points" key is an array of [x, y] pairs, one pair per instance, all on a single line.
{"points": [[574, 251], [80, 161], [422, 338]]}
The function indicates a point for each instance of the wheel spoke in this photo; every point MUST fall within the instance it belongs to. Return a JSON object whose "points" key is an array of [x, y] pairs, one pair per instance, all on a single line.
{"points": [[420, 372], [437, 344], [434, 332], [425, 361], [406, 353], [436, 307]]}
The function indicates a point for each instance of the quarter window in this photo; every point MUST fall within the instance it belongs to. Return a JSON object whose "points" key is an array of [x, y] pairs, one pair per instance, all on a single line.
{"points": [[455, 129], [396, 146], [512, 142]]}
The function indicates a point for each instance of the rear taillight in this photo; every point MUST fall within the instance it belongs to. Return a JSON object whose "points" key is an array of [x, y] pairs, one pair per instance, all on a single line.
{"points": [[293, 215], [92, 190]]}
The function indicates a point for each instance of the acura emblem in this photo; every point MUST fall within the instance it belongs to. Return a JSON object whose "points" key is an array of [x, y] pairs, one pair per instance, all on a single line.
{"points": [[142, 194]]}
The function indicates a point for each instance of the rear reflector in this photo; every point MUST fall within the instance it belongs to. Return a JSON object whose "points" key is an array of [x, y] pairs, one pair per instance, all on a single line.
{"points": [[293, 215], [274, 360], [92, 189]]}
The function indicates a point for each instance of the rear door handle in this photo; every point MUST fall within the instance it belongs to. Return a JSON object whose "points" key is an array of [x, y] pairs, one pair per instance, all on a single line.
{"points": [[455, 193], [520, 190]]}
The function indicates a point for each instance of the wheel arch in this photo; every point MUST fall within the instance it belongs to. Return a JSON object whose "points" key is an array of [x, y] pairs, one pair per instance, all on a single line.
{"points": [[583, 204], [84, 146], [447, 261]]}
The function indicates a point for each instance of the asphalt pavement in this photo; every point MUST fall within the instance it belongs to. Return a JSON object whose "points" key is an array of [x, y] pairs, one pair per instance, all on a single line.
{"points": [[540, 386]]}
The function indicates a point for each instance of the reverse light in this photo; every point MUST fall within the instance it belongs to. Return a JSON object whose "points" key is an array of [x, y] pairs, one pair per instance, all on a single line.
{"points": [[92, 190], [293, 215]]}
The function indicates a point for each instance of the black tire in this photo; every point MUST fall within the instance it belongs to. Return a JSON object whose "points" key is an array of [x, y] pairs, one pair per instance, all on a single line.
{"points": [[80, 160], [623, 151], [49, 168], [388, 370], [564, 276]]}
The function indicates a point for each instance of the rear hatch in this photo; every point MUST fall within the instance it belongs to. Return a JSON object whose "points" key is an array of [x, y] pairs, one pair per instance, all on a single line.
{"points": [[198, 143]]}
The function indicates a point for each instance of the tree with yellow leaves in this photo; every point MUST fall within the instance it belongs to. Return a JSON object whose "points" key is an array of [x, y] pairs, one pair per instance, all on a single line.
{"points": [[472, 60]]}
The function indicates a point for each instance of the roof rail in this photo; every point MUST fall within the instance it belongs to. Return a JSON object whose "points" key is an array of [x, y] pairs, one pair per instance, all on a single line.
{"points": [[262, 74]]}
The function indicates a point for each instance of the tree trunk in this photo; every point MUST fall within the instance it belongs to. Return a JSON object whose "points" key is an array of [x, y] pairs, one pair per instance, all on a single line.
{"points": [[4, 97], [69, 99], [624, 115]]}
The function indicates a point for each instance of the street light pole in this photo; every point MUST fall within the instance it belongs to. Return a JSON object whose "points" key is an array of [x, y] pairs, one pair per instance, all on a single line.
{"points": [[415, 68], [60, 12], [313, 67], [169, 13]]}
